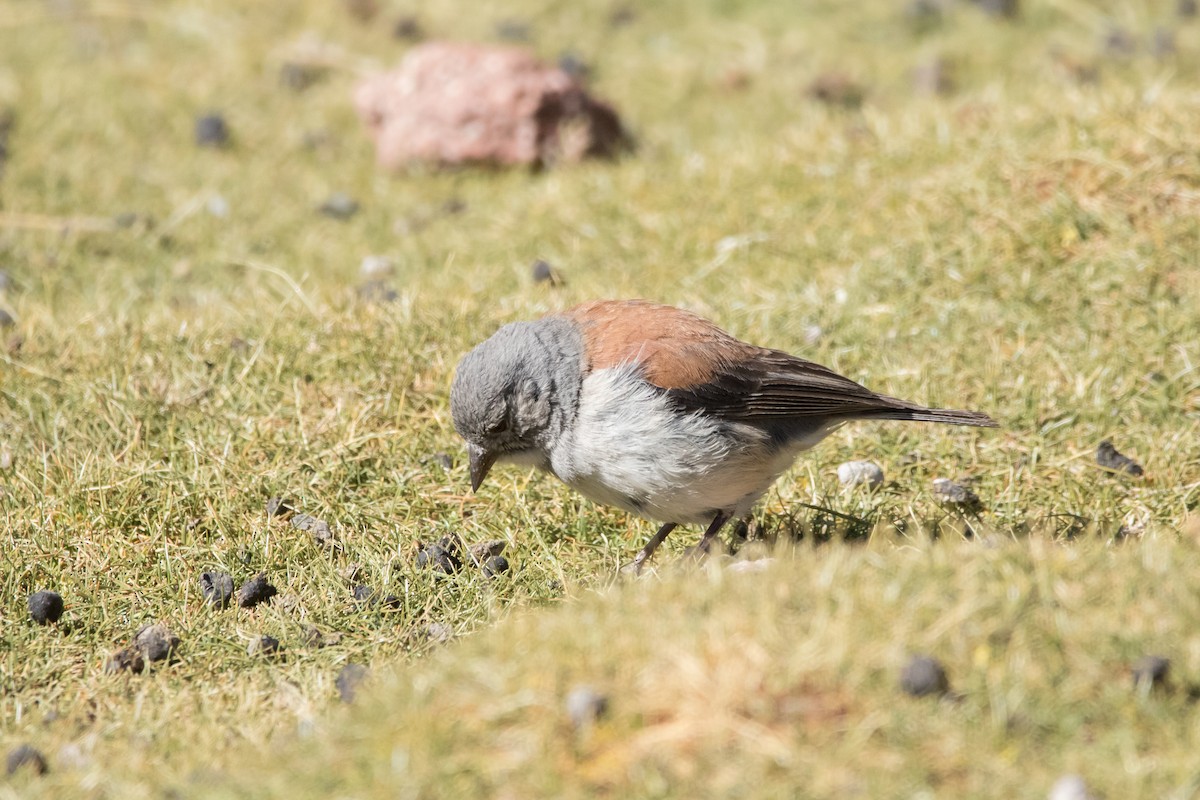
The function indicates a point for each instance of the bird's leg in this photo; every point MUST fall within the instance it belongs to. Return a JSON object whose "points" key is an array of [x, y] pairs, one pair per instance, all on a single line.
{"points": [[651, 546], [713, 529]]}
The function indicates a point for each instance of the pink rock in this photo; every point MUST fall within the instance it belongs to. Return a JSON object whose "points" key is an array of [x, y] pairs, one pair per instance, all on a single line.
{"points": [[455, 103]]}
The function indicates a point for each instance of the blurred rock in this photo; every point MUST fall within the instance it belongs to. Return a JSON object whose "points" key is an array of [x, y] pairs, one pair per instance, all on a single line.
{"points": [[127, 659], [1162, 44], [256, 590], [454, 103], [211, 130], [482, 551], [1007, 9], [319, 529], [299, 75], [155, 642], [544, 272], [217, 588], [514, 30], [25, 758], [1186, 9], [45, 607], [836, 89], [361, 10], [217, 206], [408, 29], [1110, 458], [377, 291], [951, 493], [924, 676], [1070, 787], [1150, 672], [376, 267], [585, 706], [574, 66], [279, 507], [857, 473], [1119, 43], [263, 646], [339, 205], [495, 566], [934, 76], [349, 679], [6, 319]]}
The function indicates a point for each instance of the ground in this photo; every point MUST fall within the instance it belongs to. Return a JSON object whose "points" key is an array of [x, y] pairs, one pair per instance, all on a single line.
{"points": [[950, 206]]}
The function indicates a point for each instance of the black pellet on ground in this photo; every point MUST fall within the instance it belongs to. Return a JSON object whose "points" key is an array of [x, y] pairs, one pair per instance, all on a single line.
{"points": [[924, 676], [495, 566], [372, 598], [217, 588], [155, 642], [45, 607], [348, 681], [25, 757], [1151, 671], [211, 130], [1112, 459], [256, 590], [441, 555], [263, 646]]}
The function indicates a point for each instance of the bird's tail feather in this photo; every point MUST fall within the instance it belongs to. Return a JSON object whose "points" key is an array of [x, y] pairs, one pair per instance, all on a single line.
{"points": [[949, 416]]}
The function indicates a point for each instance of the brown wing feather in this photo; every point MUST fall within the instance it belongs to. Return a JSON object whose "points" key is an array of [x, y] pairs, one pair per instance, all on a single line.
{"points": [[703, 368]]}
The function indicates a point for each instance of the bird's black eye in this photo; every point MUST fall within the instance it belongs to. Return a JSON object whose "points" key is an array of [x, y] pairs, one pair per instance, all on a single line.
{"points": [[499, 426]]}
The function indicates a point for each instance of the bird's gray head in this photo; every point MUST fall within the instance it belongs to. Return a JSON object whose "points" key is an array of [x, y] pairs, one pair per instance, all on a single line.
{"points": [[514, 394]]}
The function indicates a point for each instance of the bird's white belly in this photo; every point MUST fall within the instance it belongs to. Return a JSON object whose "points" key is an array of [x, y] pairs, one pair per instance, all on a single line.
{"points": [[631, 449]]}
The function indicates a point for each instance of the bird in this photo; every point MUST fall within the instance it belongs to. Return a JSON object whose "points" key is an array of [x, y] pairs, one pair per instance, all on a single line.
{"points": [[655, 410]]}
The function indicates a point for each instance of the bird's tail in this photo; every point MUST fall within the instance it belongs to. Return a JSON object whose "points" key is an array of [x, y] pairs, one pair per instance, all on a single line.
{"points": [[916, 413]]}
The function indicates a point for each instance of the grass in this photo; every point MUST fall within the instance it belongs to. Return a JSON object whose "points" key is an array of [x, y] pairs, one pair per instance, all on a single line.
{"points": [[1025, 245]]}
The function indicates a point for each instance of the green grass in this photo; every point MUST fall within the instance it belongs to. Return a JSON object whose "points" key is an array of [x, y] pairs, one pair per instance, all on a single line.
{"points": [[1026, 245]]}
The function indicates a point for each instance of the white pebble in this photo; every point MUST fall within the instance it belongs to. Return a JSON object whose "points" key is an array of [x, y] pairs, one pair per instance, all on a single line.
{"points": [[855, 473], [1070, 787], [218, 206], [376, 267]]}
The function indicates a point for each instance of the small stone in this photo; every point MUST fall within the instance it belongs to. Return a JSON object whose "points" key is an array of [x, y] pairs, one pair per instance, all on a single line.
{"points": [[319, 529], [155, 642], [441, 555], [218, 206], [1119, 43], [6, 319], [45, 607], [127, 659], [339, 205], [836, 89], [585, 706], [574, 66], [1007, 9], [1185, 9], [923, 676], [217, 588], [951, 493], [543, 272], [1151, 672], [408, 29], [348, 681], [376, 267], [1111, 459], [256, 590], [482, 551], [299, 75], [377, 291], [277, 506], [211, 130], [856, 473], [495, 566], [1070, 787], [513, 30], [263, 646], [25, 757]]}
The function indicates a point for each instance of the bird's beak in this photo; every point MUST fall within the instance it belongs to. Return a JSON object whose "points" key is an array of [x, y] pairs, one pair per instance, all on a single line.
{"points": [[481, 464]]}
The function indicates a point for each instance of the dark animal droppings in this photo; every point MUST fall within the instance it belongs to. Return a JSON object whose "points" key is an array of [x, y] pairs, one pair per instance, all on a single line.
{"points": [[1110, 458], [348, 680], [25, 757], [127, 659], [1151, 671], [45, 607], [256, 590], [923, 676], [494, 566], [264, 646], [211, 131], [319, 528], [278, 507], [155, 642], [955, 494], [217, 588], [442, 555]]}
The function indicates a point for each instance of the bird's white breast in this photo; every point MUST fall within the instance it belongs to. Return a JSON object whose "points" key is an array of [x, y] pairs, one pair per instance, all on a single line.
{"points": [[630, 448]]}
